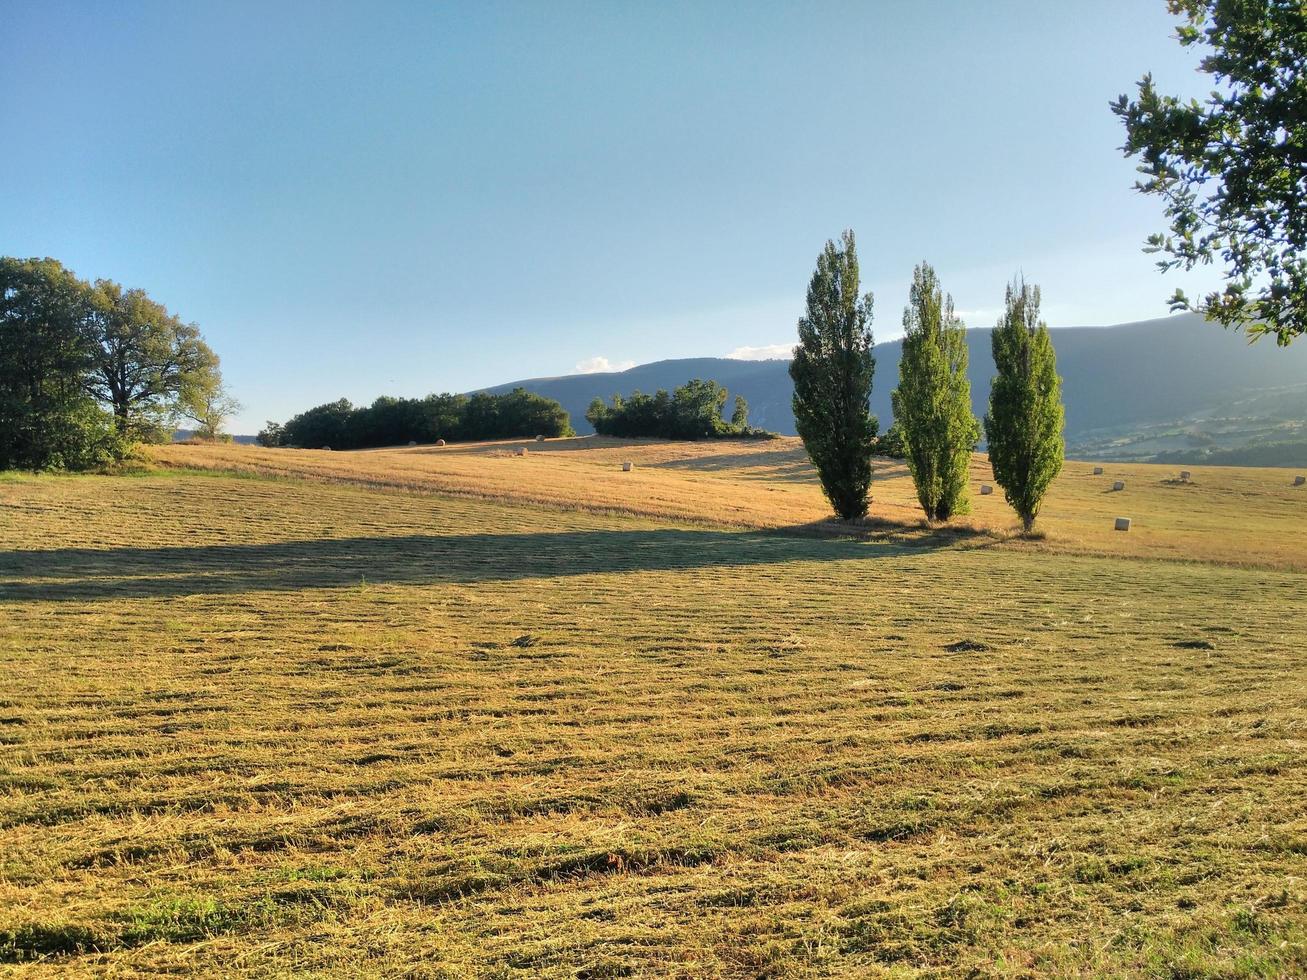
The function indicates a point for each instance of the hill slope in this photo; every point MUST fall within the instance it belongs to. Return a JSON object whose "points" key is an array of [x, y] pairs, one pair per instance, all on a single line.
{"points": [[1177, 373]]}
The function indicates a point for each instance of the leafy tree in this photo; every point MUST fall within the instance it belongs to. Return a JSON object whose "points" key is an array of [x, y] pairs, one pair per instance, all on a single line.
{"points": [[47, 419], [392, 421], [149, 366], [211, 408], [1232, 170], [1025, 419], [932, 403], [327, 426], [692, 411], [832, 370], [891, 443], [271, 435], [740, 416]]}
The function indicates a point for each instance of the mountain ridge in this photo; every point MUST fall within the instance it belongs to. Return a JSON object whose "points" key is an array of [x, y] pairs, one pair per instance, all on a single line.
{"points": [[1117, 382]]}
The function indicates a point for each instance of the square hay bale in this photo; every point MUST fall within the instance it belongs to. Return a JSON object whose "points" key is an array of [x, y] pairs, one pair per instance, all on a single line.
{"points": [[1098, 471], [1123, 524], [1119, 485], [986, 489], [626, 466]]}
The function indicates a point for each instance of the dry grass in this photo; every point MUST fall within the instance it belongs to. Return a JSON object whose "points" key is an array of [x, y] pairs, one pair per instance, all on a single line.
{"points": [[1243, 516], [252, 727]]}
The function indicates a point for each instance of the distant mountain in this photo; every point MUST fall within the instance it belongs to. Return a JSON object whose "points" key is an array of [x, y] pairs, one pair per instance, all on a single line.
{"points": [[1175, 376]]}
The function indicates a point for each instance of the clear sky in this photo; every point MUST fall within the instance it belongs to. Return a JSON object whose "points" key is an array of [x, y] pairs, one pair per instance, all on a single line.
{"points": [[353, 199]]}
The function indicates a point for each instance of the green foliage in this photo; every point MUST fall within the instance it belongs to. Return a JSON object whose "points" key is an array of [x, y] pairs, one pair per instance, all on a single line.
{"points": [[740, 416], [692, 411], [1025, 419], [395, 421], [149, 365], [272, 435], [891, 443], [932, 404], [47, 418], [1232, 170], [832, 371]]}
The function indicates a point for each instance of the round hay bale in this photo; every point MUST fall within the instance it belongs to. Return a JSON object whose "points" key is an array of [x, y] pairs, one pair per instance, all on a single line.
{"points": [[521, 451], [440, 442], [412, 442], [986, 489], [1123, 524], [1184, 475], [540, 438], [1119, 485], [626, 466], [1299, 480], [326, 449], [1098, 471]]}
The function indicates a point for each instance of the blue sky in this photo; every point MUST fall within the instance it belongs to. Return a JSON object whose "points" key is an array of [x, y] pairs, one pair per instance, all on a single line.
{"points": [[367, 198]]}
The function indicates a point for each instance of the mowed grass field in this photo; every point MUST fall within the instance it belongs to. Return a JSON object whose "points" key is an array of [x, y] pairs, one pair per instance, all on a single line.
{"points": [[465, 714]]}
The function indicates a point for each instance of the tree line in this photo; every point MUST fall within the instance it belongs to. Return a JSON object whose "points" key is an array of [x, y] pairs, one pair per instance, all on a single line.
{"points": [[86, 369], [833, 369], [692, 411], [390, 421]]}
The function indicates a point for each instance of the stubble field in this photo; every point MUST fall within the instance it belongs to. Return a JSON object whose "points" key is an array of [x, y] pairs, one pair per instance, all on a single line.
{"points": [[411, 713]]}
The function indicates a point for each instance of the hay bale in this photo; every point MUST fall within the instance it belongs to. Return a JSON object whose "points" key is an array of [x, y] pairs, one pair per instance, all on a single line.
{"points": [[1098, 471], [1119, 485], [412, 442], [1184, 476], [1123, 523], [626, 466], [986, 489], [440, 442], [540, 438], [521, 451], [326, 449], [1299, 480]]}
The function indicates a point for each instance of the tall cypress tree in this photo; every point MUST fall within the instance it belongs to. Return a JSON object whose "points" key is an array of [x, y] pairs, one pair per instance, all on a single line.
{"points": [[932, 404], [1025, 419], [832, 371]]}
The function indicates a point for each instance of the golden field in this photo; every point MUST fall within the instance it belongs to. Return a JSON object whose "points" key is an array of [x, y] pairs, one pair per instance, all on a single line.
{"points": [[1239, 515], [460, 713]]}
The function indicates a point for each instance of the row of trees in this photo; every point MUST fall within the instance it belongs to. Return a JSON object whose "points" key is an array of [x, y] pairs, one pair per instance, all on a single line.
{"points": [[88, 368], [833, 369], [692, 411], [395, 421]]}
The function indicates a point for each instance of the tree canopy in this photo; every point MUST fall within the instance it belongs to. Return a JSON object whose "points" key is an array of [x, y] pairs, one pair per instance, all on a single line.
{"points": [[149, 365], [1232, 169], [832, 370], [1025, 419], [932, 404], [48, 418], [692, 411], [392, 421]]}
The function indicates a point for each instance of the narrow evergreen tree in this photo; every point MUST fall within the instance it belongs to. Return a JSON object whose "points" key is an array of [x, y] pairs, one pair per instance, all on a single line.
{"points": [[932, 404], [832, 371], [1025, 419]]}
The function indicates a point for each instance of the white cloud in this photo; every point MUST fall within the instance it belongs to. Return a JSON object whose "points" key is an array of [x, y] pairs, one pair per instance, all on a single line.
{"points": [[766, 352], [601, 365]]}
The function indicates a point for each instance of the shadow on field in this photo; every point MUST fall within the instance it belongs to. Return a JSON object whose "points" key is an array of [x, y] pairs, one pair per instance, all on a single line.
{"points": [[90, 573]]}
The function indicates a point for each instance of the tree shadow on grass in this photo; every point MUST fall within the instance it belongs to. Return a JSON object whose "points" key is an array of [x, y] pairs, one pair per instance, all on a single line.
{"points": [[320, 563]]}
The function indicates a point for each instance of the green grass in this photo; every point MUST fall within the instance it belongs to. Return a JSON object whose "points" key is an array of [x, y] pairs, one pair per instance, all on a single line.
{"points": [[252, 728]]}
